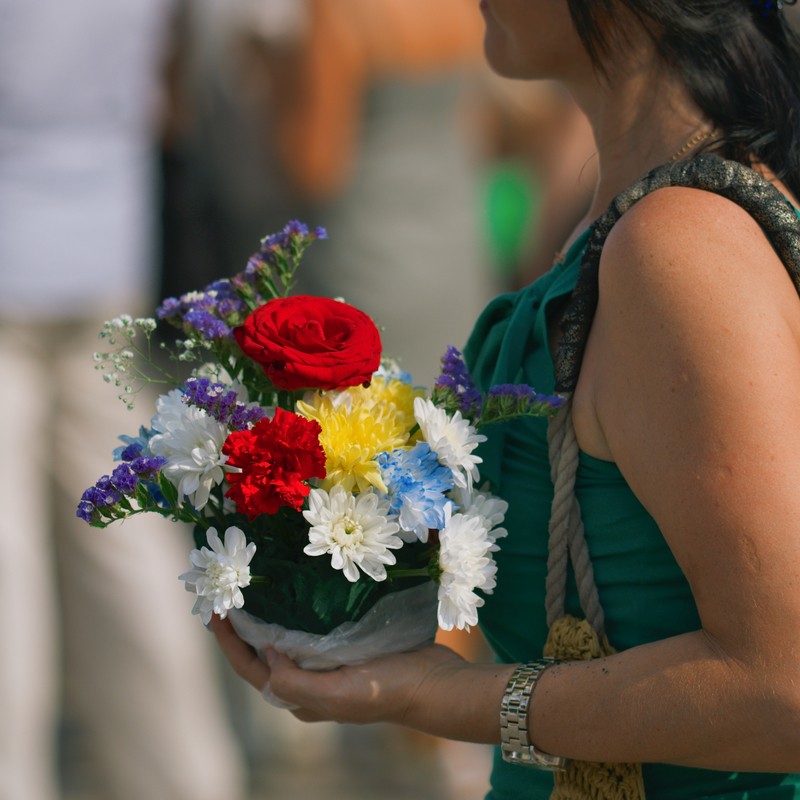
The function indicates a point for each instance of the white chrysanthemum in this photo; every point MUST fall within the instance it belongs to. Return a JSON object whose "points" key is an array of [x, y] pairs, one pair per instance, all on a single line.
{"points": [[483, 504], [453, 439], [354, 530], [191, 441], [219, 574], [466, 565]]}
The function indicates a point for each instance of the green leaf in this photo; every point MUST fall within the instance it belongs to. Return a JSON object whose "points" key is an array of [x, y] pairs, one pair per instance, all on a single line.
{"points": [[169, 491], [302, 592]]}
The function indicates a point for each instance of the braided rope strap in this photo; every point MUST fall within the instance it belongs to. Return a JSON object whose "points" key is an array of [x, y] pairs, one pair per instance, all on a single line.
{"points": [[571, 638]]}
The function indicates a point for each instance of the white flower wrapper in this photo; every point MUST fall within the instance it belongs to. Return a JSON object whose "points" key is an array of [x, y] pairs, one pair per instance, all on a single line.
{"points": [[402, 621]]}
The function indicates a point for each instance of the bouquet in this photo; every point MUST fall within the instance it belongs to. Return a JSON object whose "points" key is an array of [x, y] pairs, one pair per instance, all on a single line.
{"points": [[335, 505]]}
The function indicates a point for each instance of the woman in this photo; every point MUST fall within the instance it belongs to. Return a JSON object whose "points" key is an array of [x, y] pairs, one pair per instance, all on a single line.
{"points": [[685, 413]]}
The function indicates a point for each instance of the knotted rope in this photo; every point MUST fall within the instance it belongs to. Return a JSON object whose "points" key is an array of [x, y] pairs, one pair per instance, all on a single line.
{"points": [[566, 527], [570, 638]]}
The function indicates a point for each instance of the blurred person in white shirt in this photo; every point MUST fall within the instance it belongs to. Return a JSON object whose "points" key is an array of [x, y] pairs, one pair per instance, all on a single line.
{"points": [[78, 103]]}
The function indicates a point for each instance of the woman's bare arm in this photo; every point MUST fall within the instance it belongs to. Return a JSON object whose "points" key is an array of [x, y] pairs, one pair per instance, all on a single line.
{"points": [[693, 372]]}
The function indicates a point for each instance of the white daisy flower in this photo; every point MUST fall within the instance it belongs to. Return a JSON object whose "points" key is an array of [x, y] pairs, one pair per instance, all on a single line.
{"points": [[483, 504], [466, 565], [191, 440], [354, 530], [452, 439], [219, 574]]}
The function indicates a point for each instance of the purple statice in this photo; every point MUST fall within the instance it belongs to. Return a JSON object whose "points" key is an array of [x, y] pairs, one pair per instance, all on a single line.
{"points": [[169, 309], [226, 300], [206, 324], [270, 270], [102, 498], [231, 308], [417, 485], [294, 232], [103, 493], [220, 288], [507, 400], [244, 417], [221, 403], [294, 237], [454, 388], [124, 478], [294, 229], [248, 275], [147, 468], [210, 313], [133, 446], [131, 452], [85, 511]]}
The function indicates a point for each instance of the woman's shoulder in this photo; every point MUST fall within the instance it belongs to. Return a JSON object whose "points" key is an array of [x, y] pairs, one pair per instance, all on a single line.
{"points": [[673, 217], [692, 358], [683, 240]]}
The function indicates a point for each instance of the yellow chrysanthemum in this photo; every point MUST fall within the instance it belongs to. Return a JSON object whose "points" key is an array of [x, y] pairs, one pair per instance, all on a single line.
{"points": [[386, 391], [355, 428]]}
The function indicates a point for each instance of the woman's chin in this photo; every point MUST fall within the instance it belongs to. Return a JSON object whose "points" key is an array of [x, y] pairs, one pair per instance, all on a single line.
{"points": [[504, 64], [499, 58]]}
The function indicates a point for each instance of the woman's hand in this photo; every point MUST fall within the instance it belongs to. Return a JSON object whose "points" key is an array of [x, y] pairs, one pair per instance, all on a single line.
{"points": [[244, 660], [433, 689]]}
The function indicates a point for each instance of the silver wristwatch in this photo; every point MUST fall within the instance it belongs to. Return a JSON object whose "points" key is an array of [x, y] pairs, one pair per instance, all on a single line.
{"points": [[514, 743]]}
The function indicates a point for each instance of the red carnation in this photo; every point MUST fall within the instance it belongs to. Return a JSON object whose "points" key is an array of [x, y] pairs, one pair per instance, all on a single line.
{"points": [[277, 458], [305, 342]]}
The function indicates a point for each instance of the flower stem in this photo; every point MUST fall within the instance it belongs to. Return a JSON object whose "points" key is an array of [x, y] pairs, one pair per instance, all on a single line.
{"points": [[420, 572]]}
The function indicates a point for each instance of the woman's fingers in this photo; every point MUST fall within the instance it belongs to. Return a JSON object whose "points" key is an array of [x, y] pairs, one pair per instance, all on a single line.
{"points": [[378, 690], [241, 656], [314, 694], [384, 689], [246, 664]]}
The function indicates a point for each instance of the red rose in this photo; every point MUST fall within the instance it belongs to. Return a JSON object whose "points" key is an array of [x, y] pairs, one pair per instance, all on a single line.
{"points": [[277, 457], [305, 342]]}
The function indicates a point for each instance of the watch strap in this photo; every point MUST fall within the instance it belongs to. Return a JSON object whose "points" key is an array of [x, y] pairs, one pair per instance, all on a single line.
{"points": [[515, 745]]}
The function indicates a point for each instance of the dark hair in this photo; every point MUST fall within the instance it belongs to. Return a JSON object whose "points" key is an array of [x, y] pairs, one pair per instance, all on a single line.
{"points": [[741, 67]]}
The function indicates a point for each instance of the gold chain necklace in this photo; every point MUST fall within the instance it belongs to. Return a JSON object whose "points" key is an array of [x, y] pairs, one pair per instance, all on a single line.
{"points": [[692, 142]]}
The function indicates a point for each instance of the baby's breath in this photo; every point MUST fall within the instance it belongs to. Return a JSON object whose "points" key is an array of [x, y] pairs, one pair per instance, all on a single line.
{"points": [[128, 364]]}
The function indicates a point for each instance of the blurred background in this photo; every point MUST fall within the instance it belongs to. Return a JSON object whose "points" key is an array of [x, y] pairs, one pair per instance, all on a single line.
{"points": [[146, 146]]}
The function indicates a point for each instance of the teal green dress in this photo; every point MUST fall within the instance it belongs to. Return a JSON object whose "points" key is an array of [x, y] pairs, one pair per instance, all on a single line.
{"points": [[642, 589]]}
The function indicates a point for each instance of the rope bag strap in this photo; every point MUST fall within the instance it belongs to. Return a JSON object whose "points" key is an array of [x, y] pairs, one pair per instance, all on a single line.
{"points": [[710, 173]]}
